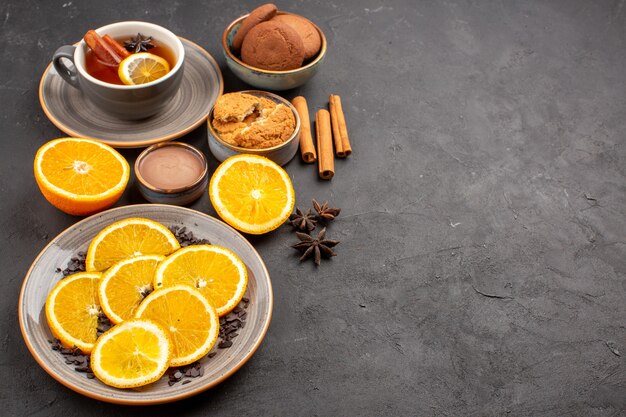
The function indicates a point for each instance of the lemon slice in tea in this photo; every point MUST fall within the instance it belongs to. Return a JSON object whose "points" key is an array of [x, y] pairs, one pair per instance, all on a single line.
{"points": [[142, 68]]}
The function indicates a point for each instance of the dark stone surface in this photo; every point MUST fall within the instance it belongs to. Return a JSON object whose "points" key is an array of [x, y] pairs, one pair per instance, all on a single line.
{"points": [[482, 266]]}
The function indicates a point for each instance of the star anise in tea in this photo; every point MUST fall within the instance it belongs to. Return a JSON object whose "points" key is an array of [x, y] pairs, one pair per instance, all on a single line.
{"points": [[139, 43], [325, 212], [303, 220], [315, 247]]}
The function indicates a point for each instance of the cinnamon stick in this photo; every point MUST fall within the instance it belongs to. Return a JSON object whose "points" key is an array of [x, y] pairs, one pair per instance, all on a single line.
{"points": [[326, 159], [117, 47], [337, 111], [101, 49], [336, 132], [307, 149]]}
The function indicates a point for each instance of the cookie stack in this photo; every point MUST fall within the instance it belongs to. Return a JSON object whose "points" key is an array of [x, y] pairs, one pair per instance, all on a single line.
{"points": [[270, 40]]}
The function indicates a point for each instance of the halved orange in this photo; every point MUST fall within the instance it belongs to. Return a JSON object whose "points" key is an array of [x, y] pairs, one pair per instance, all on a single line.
{"points": [[192, 322], [216, 272], [80, 176], [129, 238], [251, 193], [132, 354], [72, 310], [124, 286], [142, 68]]}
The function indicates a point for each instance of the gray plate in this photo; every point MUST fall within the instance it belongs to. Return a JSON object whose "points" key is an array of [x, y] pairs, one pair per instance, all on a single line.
{"points": [[202, 84], [42, 277]]}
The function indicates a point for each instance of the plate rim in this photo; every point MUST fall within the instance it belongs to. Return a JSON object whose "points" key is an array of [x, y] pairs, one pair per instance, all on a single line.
{"points": [[138, 143], [114, 400]]}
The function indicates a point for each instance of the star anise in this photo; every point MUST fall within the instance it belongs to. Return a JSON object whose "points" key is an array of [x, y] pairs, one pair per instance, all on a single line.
{"points": [[325, 212], [139, 43], [315, 247], [303, 221]]}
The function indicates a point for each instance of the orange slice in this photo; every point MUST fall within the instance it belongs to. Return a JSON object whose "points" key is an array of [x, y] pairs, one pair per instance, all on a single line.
{"points": [[80, 176], [218, 273], [129, 238], [252, 193], [192, 322], [132, 354], [72, 310], [124, 286], [142, 68]]}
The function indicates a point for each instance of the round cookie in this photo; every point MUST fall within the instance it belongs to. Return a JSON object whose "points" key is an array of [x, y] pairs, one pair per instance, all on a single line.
{"points": [[256, 16], [307, 31], [273, 46]]}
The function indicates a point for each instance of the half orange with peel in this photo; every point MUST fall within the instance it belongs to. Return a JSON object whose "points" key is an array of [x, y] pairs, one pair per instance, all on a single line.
{"points": [[80, 176]]}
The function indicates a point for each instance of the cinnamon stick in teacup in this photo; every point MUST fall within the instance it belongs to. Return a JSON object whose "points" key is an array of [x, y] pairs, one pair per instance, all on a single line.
{"points": [[307, 149], [340, 130], [326, 159], [102, 50], [116, 46]]}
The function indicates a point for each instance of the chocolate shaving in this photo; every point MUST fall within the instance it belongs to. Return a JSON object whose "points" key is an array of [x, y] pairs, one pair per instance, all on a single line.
{"points": [[186, 237], [75, 265], [73, 357]]}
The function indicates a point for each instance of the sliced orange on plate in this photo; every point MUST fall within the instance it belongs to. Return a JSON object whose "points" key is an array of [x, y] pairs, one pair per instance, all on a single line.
{"points": [[129, 238], [251, 193], [132, 354], [124, 286], [142, 68], [72, 310], [192, 322], [218, 273], [80, 176]]}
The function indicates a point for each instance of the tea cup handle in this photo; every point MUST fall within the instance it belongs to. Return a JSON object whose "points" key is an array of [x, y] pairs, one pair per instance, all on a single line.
{"points": [[68, 74]]}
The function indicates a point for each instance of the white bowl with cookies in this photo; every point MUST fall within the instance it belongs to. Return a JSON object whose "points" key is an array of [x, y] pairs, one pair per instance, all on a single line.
{"points": [[273, 50], [253, 122]]}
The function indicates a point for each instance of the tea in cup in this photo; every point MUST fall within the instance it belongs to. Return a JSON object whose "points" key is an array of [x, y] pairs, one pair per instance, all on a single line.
{"points": [[128, 69]]}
